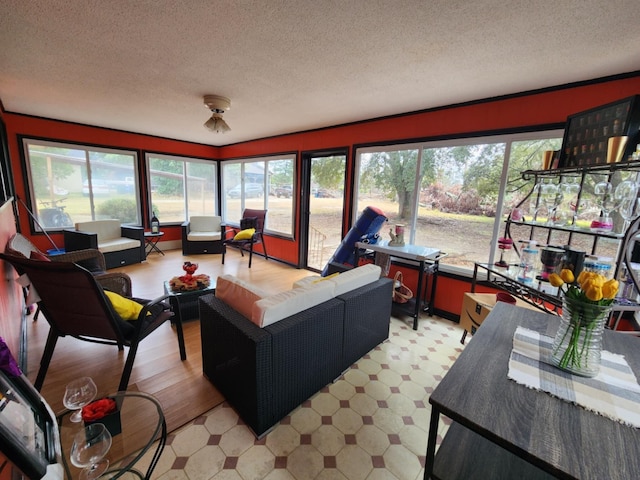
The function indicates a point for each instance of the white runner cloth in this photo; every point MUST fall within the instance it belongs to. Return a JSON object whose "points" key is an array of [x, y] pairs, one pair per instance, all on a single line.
{"points": [[613, 393]]}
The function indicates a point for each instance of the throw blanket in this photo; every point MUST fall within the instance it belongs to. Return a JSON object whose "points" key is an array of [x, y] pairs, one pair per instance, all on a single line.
{"points": [[613, 393]]}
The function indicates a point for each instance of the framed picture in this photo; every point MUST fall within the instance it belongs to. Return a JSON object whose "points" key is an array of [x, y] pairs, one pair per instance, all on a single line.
{"points": [[587, 133]]}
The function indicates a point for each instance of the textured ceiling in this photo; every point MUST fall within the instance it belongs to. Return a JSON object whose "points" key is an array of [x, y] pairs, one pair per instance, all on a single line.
{"points": [[292, 65]]}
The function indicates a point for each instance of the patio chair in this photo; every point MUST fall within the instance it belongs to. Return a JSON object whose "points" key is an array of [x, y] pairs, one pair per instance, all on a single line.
{"points": [[248, 235], [75, 304], [202, 234], [90, 258]]}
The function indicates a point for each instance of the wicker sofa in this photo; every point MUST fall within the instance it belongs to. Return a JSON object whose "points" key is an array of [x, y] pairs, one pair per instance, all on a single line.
{"points": [[120, 245], [267, 372]]}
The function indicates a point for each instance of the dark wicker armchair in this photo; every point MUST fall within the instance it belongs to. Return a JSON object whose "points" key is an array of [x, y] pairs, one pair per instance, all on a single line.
{"points": [[74, 304], [90, 259]]}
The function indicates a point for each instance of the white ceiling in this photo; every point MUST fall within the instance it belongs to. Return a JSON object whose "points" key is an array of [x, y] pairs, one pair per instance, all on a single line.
{"points": [[293, 65]]}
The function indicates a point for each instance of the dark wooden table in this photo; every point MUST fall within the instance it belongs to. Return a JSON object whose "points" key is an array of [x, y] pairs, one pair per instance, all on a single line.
{"points": [[503, 430]]}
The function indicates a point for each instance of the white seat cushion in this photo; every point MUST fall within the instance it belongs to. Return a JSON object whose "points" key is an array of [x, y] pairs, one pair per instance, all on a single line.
{"points": [[204, 236], [118, 244]]}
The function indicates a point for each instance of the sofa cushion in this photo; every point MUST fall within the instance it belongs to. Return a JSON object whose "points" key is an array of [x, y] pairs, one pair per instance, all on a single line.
{"points": [[355, 278], [238, 294], [117, 244], [310, 280], [105, 229], [282, 305], [204, 223], [204, 236]]}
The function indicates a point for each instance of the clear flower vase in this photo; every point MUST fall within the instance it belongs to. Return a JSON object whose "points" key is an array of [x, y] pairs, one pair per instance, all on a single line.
{"points": [[577, 345]]}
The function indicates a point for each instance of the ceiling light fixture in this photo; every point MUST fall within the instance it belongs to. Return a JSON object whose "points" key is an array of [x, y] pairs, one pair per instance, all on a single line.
{"points": [[217, 105]]}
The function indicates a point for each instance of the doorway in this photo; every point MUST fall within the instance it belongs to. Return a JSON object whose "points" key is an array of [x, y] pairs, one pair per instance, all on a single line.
{"points": [[323, 201]]}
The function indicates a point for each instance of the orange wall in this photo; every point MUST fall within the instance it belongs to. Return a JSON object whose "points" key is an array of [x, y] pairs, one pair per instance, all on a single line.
{"points": [[545, 108], [61, 131]]}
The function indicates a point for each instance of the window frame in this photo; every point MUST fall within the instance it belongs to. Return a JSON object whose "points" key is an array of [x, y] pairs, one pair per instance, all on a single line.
{"points": [[87, 150], [185, 160], [506, 138], [266, 188]]}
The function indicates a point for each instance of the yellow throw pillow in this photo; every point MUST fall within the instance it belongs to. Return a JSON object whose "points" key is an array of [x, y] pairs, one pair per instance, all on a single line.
{"points": [[126, 308], [245, 234]]}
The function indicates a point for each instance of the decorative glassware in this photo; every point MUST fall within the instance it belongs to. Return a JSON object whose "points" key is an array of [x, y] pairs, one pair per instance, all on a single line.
{"points": [[77, 394], [577, 345], [551, 197], [606, 202], [503, 244], [190, 268], [570, 189], [626, 196], [89, 447]]}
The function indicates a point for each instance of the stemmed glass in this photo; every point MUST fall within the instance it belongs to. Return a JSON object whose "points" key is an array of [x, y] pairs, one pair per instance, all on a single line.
{"points": [[626, 195], [551, 197], [570, 190], [606, 202], [77, 394], [89, 447]]}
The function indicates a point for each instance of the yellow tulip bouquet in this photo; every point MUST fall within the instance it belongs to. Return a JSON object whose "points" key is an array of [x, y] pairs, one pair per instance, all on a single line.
{"points": [[585, 308], [589, 287]]}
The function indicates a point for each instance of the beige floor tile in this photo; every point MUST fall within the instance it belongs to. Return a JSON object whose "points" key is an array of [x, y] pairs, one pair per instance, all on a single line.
{"points": [[354, 462], [256, 463], [305, 462]]}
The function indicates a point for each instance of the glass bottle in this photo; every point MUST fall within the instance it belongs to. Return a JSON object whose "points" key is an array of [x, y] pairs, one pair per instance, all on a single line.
{"points": [[528, 259], [155, 223]]}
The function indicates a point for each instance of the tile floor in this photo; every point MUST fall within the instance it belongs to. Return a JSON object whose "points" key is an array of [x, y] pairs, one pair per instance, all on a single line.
{"points": [[371, 424]]}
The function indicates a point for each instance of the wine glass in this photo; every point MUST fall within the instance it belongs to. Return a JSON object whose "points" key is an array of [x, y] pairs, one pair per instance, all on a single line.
{"points": [[89, 447], [77, 394], [551, 197], [570, 190], [606, 202], [626, 195]]}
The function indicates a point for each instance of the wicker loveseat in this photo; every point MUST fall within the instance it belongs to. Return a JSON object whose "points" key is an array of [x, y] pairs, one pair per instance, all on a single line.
{"points": [[267, 372], [120, 245]]}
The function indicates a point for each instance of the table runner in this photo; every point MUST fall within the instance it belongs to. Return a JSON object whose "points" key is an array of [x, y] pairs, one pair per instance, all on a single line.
{"points": [[613, 393]]}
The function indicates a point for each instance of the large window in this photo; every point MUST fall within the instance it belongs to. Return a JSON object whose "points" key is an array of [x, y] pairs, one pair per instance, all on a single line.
{"points": [[181, 187], [73, 183], [264, 183], [464, 189]]}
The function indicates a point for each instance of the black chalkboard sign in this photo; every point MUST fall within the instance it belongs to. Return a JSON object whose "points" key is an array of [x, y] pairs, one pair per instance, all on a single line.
{"points": [[587, 133]]}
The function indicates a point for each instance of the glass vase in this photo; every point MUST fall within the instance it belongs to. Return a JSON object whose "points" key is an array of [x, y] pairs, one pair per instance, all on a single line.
{"points": [[578, 343]]}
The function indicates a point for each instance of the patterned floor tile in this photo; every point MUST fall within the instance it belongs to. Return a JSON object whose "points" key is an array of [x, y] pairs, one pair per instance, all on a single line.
{"points": [[370, 424]]}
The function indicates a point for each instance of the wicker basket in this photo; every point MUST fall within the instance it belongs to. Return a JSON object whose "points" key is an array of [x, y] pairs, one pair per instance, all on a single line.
{"points": [[401, 293]]}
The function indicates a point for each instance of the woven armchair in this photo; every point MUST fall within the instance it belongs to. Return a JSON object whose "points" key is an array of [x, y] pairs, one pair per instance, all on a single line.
{"points": [[90, 259]]}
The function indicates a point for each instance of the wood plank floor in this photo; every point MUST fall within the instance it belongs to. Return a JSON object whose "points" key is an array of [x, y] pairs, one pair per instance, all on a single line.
{"points": [[179, 386]]}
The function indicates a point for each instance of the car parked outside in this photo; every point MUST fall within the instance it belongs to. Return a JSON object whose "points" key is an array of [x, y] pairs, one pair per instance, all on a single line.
{"points": [[251, 190], [285, 191], [98, 187]]}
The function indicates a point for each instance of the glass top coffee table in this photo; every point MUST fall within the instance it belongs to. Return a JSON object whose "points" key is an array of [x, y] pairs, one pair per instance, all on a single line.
{"points": [[143, 428], [185, 303]]}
